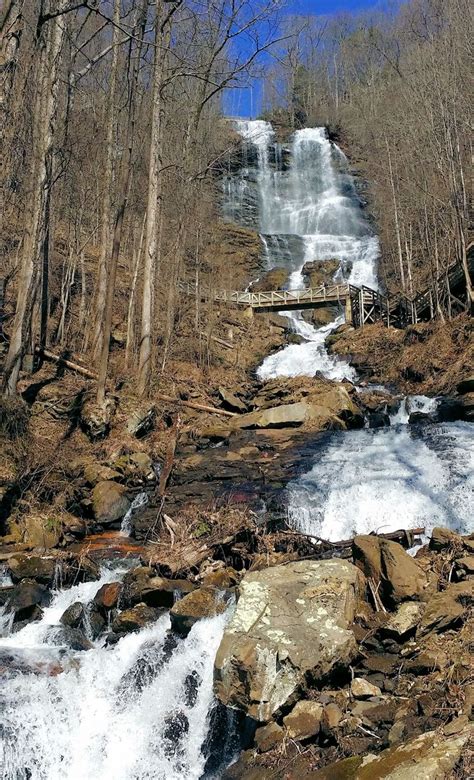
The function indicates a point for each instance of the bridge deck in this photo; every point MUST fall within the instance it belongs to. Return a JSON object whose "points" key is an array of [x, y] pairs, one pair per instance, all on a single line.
{"points": [[363, 304]]}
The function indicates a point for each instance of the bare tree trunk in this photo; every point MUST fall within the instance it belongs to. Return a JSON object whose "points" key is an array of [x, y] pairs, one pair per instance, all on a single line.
{"points": [[106, 199], [133, 292], [124, 190], [49, 49], [395, 214], [153, 210]]}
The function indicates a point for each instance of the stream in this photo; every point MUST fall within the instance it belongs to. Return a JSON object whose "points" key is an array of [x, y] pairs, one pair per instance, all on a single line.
{"points": [[143, 708]]}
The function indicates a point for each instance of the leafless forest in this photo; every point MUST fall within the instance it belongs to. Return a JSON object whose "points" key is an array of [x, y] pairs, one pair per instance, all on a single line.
{"points": [[111, 117]]}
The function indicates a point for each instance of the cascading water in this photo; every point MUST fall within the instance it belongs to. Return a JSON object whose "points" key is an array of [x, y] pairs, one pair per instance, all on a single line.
{"points": [[306, 211], [137, 710], [398, 477]]}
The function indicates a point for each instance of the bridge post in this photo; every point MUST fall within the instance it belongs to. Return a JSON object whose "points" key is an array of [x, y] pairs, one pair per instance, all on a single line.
{"points": [[348, 309], [248, 312]]}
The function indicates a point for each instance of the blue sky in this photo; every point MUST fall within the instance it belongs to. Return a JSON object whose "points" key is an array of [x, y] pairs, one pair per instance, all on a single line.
{"points": [[247, 102]]}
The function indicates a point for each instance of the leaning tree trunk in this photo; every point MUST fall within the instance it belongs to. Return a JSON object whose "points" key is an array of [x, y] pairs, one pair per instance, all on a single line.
{"points": [[48, 49]]}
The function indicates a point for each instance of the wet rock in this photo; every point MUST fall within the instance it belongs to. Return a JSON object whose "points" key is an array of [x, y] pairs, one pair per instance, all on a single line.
{"points": [[65, 636], [361, 689], [109, 502], [441, 538], [201, 603], [94, 620], [141, 585], [449, 410], [269, 737], [420, 417], [175, 728], [304, 720], [231, 402], [135, 619], [466, 385], [291, 623], [467, 407], [222, 579], [96, 419], [25, 598], [379, 420], [34, 567], [405, 620], [387, 562], [447, 609], [108, 595], [141, 420], [73, 615]]}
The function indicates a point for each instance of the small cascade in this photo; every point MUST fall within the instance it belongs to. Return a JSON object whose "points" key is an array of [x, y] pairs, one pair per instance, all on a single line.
{"points": [[412, 404], [142, 708], [141, 499]]}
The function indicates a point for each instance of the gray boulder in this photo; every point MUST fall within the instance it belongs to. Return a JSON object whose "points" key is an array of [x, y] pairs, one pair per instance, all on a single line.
{"points": [[291, 624]]}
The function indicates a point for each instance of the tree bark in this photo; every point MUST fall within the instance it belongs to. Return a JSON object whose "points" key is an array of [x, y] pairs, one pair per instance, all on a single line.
{"points": [[49, 47], [153, 210]]}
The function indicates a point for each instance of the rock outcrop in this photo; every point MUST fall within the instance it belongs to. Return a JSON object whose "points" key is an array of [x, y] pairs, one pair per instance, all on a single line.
{"points": [[109, 502], [400, 577], [291, 624]]}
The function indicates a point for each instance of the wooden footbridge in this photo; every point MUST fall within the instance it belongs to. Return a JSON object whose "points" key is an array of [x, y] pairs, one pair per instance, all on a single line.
{"points": [[363, 305]]}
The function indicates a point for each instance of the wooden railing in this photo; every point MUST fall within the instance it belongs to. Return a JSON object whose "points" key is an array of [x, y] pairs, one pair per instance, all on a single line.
{"points": [[363, 304]]}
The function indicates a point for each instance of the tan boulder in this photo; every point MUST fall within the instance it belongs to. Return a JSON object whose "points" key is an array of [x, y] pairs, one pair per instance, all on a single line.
{"points": [[304, 720], [109, 502], [444, 537], [269, 736], [291, 622], [431, 756], [401, 577], [201, 603], [447, 609]]}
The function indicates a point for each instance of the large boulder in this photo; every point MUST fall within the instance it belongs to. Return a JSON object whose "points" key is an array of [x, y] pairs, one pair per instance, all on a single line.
{"points": [[135, 619], [431, 756], [41, 568], [109, 502], [387, 563], [141, 585], [291, 624], [447, 609], [466, 385], [202, 603]]}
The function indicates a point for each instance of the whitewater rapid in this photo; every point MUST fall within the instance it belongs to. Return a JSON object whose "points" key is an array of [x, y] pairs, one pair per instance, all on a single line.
{"points": [[136, 710]]}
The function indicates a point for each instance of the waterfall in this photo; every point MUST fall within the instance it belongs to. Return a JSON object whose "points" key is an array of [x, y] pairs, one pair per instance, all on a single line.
{"points": [[139, 709], [361, 481], [307, 211]]}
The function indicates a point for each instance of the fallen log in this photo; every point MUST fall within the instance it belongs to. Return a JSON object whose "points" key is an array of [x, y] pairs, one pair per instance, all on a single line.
{"points": [[223, 343], [405, 537], [193, 405], [47, 355]]}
